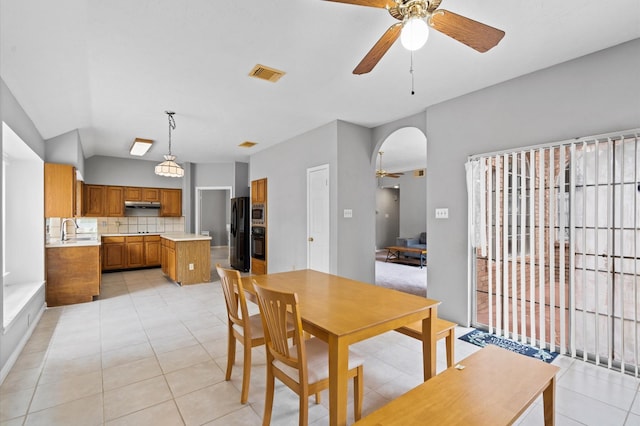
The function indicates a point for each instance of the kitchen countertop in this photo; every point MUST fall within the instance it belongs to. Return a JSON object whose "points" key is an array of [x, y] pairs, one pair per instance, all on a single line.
{"points": [[96, 240], [73, 242], [183, 236]]}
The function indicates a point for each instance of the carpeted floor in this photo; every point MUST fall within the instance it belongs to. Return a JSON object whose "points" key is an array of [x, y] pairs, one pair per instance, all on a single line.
{"points": [[407, 278]]}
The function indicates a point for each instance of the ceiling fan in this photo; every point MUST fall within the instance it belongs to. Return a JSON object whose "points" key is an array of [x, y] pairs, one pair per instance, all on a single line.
{"points": [[381, 173], [416, 16]]}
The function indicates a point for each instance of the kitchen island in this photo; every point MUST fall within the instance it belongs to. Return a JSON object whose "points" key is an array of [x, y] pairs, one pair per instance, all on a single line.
{"points": [[73, 272], [186, 258]]}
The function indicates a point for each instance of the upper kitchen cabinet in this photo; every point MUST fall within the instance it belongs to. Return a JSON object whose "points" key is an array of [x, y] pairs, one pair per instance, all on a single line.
{"points": [[59, 190], [259, 191], [94, 199], [115, 201], [101, 200], [170, 202], [136, 193]]}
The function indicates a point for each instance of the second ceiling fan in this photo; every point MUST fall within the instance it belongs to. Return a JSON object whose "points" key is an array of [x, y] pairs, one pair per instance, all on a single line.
{"points": [[415, 17]]}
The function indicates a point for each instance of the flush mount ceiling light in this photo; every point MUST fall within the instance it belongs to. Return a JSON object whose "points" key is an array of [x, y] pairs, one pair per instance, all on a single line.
{"points": [[140, 146], [169, 167]]}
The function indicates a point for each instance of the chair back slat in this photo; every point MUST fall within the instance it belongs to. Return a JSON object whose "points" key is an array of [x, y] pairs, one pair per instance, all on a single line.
{"points": [[234, 297], [279, 311]]}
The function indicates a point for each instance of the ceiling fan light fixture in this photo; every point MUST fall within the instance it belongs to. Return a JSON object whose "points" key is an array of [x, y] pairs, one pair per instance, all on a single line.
{"points": [[415, 33]]}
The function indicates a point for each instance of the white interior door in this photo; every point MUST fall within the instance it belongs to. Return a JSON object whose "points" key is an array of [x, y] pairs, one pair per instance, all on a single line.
{"points": [[318, 218]]}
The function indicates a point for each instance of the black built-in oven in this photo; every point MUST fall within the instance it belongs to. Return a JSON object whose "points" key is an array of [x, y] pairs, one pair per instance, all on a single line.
{"points": [[258, 242]]}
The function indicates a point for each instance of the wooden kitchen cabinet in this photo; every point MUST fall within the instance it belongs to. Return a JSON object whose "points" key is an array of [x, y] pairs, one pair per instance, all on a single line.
{"points": [[59, 190], [115, 201], [259, 191], [94, 199], [138, 193], [169, 259], [128, 252], [113, 253], [134, 252], [187, 261], [103, 200], [72, 274], [170, 202], [152, 250], [258, 267]]}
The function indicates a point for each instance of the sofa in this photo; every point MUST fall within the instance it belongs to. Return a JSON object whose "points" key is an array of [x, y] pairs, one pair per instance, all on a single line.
{"points": [[415, 242]]}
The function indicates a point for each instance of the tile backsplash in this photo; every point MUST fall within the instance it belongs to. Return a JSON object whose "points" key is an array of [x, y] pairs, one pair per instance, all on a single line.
{"points": [[115, 225]]}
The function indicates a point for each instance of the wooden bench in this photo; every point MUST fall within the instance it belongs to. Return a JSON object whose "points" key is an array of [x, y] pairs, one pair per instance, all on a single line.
{"points": [[494, 388], [444, 329]]}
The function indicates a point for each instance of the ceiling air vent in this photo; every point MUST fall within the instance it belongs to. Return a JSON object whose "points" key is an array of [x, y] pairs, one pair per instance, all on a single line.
{"points": [[419, 173], [265, 73], [247, 144]]}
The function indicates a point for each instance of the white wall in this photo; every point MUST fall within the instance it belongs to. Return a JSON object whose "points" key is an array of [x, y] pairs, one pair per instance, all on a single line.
{"points": [[595, 94], [12, 338]]}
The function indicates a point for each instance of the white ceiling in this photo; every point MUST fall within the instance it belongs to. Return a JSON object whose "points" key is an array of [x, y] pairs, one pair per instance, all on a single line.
{"points": [[111, 69]]}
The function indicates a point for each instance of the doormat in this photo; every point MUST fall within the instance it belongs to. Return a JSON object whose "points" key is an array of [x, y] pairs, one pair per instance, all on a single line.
{"points": [[482, 339]]}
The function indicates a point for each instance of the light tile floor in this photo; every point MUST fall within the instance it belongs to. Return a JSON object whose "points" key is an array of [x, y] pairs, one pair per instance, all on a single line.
{"points": [[152, 353]]}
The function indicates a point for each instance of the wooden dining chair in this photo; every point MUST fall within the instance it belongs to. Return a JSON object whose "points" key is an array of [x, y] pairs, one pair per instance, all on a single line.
{"points": [[303, 366], [245, 328]]}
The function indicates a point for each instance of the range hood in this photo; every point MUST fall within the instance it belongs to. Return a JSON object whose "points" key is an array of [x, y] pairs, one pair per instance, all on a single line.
{"points": [[142, 204]]}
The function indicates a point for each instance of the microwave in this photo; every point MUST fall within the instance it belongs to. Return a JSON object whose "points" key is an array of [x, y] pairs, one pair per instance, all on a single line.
{"points": [[257, 214]]}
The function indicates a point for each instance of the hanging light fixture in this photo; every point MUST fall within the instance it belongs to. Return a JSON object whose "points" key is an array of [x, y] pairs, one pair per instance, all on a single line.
{"points": [[169, 167]]}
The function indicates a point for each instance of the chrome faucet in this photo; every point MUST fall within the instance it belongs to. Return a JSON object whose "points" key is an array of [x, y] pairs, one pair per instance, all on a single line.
{"points": [[63, 228]]}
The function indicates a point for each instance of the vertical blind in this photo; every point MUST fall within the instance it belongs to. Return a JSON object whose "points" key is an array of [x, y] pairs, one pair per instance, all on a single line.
{"points": [[554, 237]]}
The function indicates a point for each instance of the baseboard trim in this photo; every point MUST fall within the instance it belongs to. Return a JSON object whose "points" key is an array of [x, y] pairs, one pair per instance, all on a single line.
{"points": [[23, 342]]}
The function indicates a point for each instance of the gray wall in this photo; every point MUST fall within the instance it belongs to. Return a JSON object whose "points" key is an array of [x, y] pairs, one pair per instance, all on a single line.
{"points": [[411, 208], [214, 210], [413, 205], [101, 170], [346, 148], [66, 149], [356, 191], [387, 217], [595, 94], [13, 337], [285, 167]]}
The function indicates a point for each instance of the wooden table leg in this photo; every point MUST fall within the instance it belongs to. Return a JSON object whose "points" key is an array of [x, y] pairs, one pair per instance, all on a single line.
{"points": [[338, 381], [549, 403], [429, 344]]}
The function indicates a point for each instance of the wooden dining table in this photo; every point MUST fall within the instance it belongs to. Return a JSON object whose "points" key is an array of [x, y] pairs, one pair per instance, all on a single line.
{"points": [[342, 311]]}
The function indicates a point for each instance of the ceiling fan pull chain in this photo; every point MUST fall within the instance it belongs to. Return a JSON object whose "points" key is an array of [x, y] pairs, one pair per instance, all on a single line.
{"points": [[411, 72]]}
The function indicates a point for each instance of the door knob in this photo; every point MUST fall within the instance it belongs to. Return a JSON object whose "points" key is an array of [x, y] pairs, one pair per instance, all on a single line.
{"points": [[310, 239]]}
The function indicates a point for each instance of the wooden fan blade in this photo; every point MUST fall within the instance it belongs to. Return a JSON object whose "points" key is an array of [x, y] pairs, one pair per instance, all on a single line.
{"points": [[474, 34], [384, 4], [379, 49]]}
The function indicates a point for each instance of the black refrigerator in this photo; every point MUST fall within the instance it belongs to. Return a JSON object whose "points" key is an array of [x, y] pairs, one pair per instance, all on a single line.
{"points": [[239, 249]]}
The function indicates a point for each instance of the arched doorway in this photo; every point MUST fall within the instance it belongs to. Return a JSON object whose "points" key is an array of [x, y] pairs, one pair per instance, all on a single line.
{"points": [[401, 208]]}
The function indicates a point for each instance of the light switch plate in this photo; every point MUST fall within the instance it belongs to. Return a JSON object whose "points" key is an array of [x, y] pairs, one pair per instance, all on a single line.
{"points": [[348, 213], [442, 213]]}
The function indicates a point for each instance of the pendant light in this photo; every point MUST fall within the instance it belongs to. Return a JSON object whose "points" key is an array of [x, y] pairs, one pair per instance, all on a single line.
{"points": [[169, 167]]}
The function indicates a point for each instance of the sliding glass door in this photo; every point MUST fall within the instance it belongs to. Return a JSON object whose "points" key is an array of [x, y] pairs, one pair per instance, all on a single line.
{"points": [[555, 239]]}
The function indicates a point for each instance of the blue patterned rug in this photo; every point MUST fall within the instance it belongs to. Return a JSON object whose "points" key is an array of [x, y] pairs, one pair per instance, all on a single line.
{"points": [[482, 338]]}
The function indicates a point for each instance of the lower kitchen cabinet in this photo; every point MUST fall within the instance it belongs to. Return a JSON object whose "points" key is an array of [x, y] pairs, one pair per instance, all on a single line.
{"points": [[113, 253], [128, 252], [135, 252], [258, 267], [187, 261], [152, 250], [72, 274]]}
